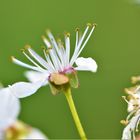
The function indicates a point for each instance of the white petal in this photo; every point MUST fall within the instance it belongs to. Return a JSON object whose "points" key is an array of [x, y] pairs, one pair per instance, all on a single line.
{"points": [[34, 76], [86, 64], [128, 130], [24, 89], [131, 104], [9, 108], [127, 133], [130, 107], [36, 134]]}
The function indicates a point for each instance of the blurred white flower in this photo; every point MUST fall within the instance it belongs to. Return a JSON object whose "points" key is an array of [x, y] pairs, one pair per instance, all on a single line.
{"points": [[133, 119], [9, 108], [57, 63], [134, 1], [9, 124], [131, 128]]}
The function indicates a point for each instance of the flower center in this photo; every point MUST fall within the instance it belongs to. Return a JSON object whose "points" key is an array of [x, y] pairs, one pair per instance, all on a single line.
{"points": [[17, 131]]}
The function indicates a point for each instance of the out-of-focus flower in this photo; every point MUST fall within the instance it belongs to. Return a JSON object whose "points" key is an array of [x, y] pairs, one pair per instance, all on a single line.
{"points": [[135, 1], [10, 127], [133, 119], [59, 69], [135, 79]]}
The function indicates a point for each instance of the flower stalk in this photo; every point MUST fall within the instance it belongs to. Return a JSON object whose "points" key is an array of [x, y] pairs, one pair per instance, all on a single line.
{"points": [[75, 114]]}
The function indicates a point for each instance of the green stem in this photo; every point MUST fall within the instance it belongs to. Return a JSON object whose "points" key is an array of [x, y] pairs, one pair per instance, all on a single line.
{"points": [[75, 115]]}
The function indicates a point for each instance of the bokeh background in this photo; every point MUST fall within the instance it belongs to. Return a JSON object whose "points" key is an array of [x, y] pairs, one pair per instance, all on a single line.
{"points": [[115, 45]]}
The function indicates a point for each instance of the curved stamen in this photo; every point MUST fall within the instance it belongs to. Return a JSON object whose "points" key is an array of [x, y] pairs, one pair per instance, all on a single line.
{"points": [[86, 41], [79, 44], [55, 45], [53, 55], [67, 44], [18, 62], [48, 59], [38, 58], [30, 59]]}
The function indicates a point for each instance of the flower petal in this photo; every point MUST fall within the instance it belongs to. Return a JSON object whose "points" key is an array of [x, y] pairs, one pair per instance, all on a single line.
{"points": [[34, 76], [86, 64], [36, 134], [24, 89], [130, 128], [9, 108]]}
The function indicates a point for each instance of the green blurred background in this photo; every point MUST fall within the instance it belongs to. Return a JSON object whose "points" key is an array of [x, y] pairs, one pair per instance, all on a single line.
{"points": [[115, 45]]}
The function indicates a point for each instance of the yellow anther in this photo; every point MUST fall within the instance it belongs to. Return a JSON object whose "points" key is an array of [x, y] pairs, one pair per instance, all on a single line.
{"points": [[12, 58], [43, 37], [77, 29], [89, 24], [22, 50], [131, 90], [27, 47], [94, 24], [48, 31], [43, 47], [124, 122], [67, 34], [135, 79]]}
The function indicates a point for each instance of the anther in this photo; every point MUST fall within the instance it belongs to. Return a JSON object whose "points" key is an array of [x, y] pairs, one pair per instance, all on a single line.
{"points": [[94, 24], [135, 79], [43, 37], [124, 122], [48, 31], [22, 50], [77, 29], [89, 24], [12, 58], [27, 47], [43, 47], [67, 34]]}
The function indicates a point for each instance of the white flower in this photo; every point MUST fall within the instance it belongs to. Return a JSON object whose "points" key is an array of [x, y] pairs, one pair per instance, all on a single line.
{"points": [[132, 127], [9, 108], [9, 111], [35, 134], [23, 131], [133, 119], [134, 98], [58, 60]]}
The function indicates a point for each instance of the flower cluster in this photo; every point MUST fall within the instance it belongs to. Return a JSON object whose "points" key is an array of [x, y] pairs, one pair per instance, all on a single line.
{"points": [[58, 70], [133, 119]]}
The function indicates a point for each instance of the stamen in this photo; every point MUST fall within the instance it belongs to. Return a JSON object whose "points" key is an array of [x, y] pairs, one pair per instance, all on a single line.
{"points": [[67, 43], [86, 41], [124, 122], [46, 53], [130, 115], [89, 24], [77, 37], [62, 52], [39, 59], [46, 41], [29, 58], [77, 47], [18, 62], [137, 124], [125, 99], [94, 24], [77, 29], [54, 58], [131, 90], [135, 79], [56, 51]]}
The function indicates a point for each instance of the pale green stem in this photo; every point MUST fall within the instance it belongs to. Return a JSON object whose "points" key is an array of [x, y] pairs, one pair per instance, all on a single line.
{"points": [[74, 114]]}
